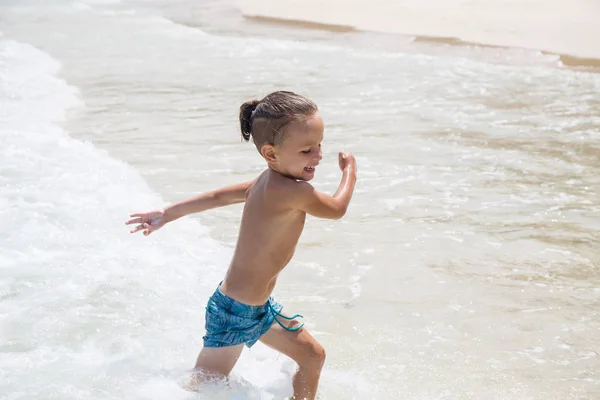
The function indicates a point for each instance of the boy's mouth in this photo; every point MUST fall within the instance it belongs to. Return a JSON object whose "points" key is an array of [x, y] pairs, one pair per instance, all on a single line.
{"points": [[309, 169]]}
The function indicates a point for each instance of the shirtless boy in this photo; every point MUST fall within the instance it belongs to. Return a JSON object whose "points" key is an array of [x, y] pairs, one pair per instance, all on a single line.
{"points": [[287, 131]]}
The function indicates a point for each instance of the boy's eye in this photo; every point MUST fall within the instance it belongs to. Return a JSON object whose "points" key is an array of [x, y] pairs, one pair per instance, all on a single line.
{"points": [[306, 151]]}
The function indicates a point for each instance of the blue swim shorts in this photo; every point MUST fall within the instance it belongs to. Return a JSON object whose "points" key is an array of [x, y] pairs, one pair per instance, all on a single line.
{"points": [[229, 322]]}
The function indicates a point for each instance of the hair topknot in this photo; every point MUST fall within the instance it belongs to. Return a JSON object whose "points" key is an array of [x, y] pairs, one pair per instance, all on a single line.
{"points": [[246, 111], [265, 120]]}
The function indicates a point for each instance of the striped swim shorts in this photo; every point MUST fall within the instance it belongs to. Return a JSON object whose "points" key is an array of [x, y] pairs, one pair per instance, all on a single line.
{"points": [[229, 322]]}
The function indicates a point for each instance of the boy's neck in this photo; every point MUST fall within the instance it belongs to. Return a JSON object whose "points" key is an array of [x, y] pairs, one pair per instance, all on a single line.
{"points": [[274, 169]]}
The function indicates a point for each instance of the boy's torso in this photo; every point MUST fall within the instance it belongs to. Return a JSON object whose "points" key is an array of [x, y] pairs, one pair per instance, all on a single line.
{"points": [[269, 232]]}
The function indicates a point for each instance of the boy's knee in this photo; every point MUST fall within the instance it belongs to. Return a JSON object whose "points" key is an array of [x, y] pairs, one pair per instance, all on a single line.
{"points": [[313, 357], [320, 355]]}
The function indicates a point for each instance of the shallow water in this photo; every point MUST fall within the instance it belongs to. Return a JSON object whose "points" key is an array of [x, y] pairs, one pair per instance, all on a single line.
{"points": [[466, 267]]}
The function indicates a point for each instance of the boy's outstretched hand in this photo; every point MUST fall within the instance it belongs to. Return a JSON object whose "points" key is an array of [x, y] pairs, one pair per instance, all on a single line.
{"points": [[148, 221]]}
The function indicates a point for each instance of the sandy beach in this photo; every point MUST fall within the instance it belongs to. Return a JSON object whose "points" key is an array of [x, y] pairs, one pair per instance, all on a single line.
{"points": [[551, 26]]}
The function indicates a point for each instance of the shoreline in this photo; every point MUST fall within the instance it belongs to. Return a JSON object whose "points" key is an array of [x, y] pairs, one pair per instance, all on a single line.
{"points": [[571, 40]]}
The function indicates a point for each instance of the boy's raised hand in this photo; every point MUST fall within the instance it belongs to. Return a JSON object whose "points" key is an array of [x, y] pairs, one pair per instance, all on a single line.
{"points": [[148, 221], [346, 159]]}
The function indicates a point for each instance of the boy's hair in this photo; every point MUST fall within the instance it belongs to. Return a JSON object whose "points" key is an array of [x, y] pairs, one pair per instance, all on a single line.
{"points": [[265, 120]]}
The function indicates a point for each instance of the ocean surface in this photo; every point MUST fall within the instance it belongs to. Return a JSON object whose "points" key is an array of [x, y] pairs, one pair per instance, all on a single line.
{"points": [[467, 266]]}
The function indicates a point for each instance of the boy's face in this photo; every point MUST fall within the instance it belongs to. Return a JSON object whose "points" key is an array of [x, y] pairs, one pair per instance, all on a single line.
{"points": [[300, 152]]}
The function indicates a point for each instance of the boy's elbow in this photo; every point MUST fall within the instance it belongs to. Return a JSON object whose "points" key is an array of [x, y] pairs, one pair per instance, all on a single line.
{"points": [[339, 212], [222, 198]]}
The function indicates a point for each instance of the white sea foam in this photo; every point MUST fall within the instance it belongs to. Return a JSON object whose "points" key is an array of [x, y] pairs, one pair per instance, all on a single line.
{"points": [[87, 310]]}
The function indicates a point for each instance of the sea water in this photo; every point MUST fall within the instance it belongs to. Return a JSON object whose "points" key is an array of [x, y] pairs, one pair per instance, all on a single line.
{"points": [[466, 267]]}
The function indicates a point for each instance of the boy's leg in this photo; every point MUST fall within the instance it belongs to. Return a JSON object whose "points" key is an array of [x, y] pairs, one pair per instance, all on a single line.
{"points": [[301, 347], [215, 363]]}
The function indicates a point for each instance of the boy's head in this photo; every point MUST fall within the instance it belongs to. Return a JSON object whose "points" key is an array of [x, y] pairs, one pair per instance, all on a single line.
{"points": [[287, 131]]}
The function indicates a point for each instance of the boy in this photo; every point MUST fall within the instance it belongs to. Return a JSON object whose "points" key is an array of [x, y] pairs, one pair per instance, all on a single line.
{"points": [[287, 131]]}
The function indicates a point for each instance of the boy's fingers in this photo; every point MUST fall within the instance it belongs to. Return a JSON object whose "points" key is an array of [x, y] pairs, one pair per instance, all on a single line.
{"points": [[137, 228], [146, 227], [134, 221]]}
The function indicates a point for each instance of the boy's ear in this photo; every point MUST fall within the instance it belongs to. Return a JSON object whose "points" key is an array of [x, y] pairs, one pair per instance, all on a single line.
{"points": [[268, 152]]}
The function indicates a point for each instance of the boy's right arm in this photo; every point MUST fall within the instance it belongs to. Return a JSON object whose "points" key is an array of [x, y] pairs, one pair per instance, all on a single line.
{"points": [[322, 205], [153, 220], [217, 198]]}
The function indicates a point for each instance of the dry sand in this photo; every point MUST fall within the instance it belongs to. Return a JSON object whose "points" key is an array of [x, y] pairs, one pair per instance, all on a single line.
{"points": [[547, 25]]}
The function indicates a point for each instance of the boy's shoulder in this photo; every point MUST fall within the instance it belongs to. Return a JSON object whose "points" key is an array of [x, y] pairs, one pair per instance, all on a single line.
{"points": [[278, 183], [286, 191]]}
